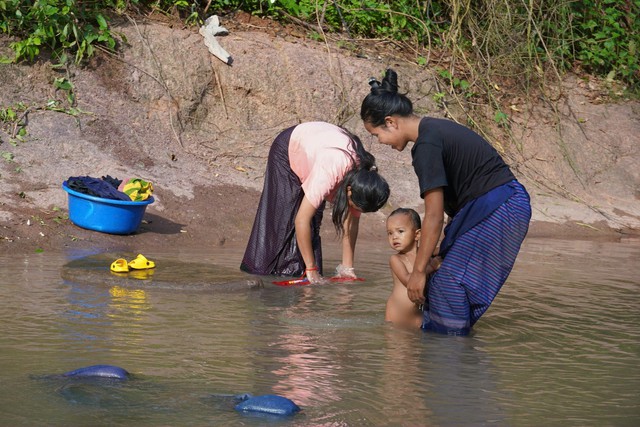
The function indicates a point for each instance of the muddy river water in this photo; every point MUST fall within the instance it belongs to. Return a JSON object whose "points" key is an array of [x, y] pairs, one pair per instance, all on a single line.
{"points": [[559, 346]]}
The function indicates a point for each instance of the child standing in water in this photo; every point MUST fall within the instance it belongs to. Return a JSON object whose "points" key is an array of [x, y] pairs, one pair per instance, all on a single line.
{"points": [[460, 174], [403, 232]]}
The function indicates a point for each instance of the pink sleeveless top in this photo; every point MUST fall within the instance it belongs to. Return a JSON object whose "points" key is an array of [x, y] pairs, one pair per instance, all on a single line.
{"points": [[320, 154]]}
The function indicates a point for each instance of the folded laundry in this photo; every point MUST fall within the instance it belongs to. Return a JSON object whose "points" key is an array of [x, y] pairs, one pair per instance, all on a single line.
{"points": [[96, 187], [113, 181]]}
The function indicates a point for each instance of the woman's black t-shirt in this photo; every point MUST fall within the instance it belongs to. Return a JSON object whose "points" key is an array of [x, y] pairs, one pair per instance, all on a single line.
{"points": [[456, 158]]}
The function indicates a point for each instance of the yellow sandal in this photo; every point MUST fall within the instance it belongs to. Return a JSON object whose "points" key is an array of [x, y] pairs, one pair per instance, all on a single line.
{"points": [[141, 263], [120, 266]]}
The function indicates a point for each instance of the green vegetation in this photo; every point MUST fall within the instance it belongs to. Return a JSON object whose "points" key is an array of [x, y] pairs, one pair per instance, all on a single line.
{"points": [[523, 44], [56, 25], [523, 38], [608, 37], [13, 119]]}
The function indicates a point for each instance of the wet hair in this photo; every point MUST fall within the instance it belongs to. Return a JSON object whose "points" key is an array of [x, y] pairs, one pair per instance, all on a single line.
{"points": [[413, 216], [369, 190], [384, 100]]}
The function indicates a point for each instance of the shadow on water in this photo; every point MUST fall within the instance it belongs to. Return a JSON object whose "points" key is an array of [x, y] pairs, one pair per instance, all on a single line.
{"points": [[168, 274], [120, 401], [134, 398]]}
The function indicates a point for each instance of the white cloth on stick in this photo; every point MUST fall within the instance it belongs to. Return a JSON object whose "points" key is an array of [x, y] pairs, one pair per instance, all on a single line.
{"points": [[209, 30]]}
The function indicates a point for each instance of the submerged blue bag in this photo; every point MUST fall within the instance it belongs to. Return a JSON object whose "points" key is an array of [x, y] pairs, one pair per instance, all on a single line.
{"points": [[268, 404], [98, 371]]}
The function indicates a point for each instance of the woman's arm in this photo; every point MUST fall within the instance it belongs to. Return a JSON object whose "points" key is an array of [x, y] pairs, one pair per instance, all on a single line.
{"points": [[430, 234], [305, 214], [351, 226]]}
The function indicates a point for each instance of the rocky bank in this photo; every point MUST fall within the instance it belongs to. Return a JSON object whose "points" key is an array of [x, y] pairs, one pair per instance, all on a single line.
{"points": [[167, 110]]}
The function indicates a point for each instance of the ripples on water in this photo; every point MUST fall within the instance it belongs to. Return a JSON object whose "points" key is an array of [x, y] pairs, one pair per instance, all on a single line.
{"points": [[559, 346]]}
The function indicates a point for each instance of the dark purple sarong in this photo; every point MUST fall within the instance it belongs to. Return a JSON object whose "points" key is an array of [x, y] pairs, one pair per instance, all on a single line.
{"points": [[272, 249]]}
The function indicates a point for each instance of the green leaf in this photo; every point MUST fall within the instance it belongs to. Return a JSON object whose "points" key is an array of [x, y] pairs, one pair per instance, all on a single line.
{"points": [[62, 83], [102, 22]]}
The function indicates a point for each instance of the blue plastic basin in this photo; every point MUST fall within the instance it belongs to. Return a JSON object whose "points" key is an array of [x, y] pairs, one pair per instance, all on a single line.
{"points": [[105, 215]]}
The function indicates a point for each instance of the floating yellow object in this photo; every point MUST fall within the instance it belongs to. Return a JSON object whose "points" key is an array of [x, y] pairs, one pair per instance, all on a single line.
{"points": [[141, 263], [120, 265]]}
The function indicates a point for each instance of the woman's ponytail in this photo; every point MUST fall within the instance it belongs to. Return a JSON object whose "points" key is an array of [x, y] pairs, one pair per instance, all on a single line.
{"points": [[384, 100]]}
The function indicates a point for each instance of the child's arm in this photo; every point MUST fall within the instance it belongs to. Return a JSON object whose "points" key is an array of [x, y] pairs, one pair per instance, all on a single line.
{"points": [[399, 269], [402, 273]]}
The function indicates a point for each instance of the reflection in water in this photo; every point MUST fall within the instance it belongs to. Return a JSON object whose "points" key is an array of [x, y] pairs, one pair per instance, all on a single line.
{"points": [[126, 310], [127, 297], [93, 313], [306, 373], [402, 370], [304, 376], [135, 274], [559, 345], [460, 373], [127, 304]]}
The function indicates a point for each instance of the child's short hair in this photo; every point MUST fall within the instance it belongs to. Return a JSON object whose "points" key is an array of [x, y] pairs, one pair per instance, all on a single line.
{"points": [[415, 218]]}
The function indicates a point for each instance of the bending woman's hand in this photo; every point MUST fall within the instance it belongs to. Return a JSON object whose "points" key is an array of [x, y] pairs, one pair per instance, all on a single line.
{"points": [[314, 277], [343, 272], [306, 211]]}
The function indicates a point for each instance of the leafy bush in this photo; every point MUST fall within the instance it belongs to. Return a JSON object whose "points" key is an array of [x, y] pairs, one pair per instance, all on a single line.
{"points": [[603, 35], [608, 37], [58, 25]]}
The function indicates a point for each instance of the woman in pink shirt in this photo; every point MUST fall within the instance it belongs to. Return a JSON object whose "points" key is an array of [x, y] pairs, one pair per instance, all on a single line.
{"points": [[309, 164]]}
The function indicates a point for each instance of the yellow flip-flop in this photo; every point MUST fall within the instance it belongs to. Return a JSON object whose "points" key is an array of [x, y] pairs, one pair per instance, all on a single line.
{"points": [[120, 265], [141, 263]]}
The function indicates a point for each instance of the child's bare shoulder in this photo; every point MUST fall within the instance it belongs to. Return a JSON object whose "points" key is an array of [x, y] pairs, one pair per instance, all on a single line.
{"points": [[395, 259], [397, 263]]}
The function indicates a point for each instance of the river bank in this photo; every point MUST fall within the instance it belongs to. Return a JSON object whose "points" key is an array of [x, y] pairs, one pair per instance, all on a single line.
{"points": [[168, 111]]}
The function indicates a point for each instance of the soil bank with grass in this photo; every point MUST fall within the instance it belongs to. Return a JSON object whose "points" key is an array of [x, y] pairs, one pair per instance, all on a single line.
{"points": [[166, 110]]}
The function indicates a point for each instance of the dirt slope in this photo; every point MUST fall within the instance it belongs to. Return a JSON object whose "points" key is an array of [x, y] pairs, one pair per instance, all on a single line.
{"points": [[168, 111]]}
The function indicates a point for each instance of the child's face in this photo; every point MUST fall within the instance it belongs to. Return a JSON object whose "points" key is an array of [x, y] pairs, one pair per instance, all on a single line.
{"points": [[401, 232]]}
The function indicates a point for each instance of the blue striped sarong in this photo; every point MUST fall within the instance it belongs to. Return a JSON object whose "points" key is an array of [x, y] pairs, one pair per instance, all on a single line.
{"points": [[477, 262]]}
